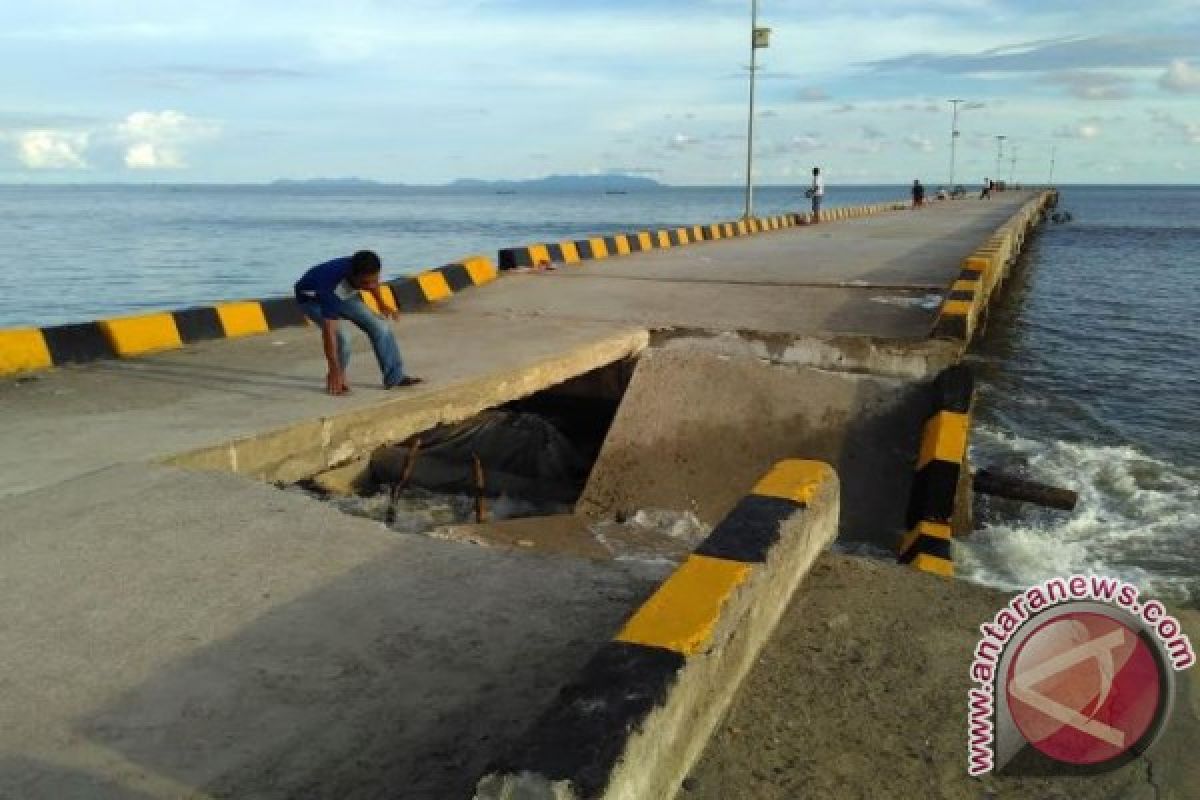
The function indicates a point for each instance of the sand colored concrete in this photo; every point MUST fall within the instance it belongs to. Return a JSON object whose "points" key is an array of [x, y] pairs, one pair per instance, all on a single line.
{"points": [[880, 276], [171, 635], [862, 693], [266, 394], [696, 428]]}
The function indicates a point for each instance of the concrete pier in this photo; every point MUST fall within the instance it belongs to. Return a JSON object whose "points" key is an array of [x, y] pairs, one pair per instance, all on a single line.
{"points": [[175, 626]]}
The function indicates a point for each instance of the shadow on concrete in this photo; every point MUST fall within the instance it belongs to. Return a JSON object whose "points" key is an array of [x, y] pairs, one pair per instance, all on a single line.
{"points": [[230, 380], [391, 681]]}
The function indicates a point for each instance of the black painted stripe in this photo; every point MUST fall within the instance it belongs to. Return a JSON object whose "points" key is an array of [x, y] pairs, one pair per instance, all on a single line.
{"points": [[676, 239], [514, 257], [198, 324], [935, 487], [77, 344], [584, 248], [749, 532], [583, 734], [456, 276], [556, 253], [282, 312], [962, 294], [408, 294], [930, 546], [955, 389], [635, 244], [968, 275], [611, 243]]}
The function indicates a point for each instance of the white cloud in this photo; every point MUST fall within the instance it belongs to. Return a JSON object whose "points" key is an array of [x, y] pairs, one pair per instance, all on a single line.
{"points": [[1189, 131], [1084, 131], [1181, 77], [154, 139], [52, 150], [812, 94], [681, 141], [920, 143]]}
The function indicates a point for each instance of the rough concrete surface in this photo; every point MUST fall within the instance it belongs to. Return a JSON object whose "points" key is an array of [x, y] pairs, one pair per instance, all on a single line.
{"points": [[175, 635], [697, 430], [862, 693], [78, 419], [868, 277]]}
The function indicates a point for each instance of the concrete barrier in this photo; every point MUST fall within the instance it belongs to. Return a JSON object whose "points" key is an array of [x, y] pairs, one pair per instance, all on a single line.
{"points": [[638, 716], [984, 270], [535, 255], [940, 484], [29, 349]]}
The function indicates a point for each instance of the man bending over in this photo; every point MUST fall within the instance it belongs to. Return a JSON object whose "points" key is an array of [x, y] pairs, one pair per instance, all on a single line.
{"points": [[328, 293]]}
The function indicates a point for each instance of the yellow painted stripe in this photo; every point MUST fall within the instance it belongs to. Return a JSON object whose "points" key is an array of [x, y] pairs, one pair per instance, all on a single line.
{"points": [[964, 286], [683, 613], [685, 236], [433, 286], [482, 270], [369, 301], [727, 230], [715, 230], [389, 297], [664, 239], [795, 480], [742, 228], [944, 438], [23, 349], [645, 241], [935, 565], [753, 224], [957, 308], [134, 336], [622, 241], [241, 319], [937, 530], [697, 233], [977, 264], [539, 254], [599, 248]]}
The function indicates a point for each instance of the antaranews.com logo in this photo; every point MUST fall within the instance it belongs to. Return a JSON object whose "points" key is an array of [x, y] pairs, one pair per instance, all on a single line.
{"points": [[1076, 675]]}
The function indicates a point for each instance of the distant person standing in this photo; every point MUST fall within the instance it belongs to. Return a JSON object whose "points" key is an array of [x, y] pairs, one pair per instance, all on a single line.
{"points": [[817, 193], [986, 192], [918, 194], [328, 293]]}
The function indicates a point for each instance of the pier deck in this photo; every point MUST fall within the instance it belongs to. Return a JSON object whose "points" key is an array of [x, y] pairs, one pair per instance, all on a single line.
{"points": [[175, 633]]}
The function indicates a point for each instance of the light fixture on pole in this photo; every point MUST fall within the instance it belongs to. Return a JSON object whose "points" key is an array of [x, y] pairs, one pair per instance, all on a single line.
{"points": [[760, 38], [999, 155], [1053, 153], [1012, 173], [953, 142]]}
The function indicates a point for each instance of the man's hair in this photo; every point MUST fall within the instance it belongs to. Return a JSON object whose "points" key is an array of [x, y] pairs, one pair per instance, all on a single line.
{"points": [[816, 170], [365, 262]]}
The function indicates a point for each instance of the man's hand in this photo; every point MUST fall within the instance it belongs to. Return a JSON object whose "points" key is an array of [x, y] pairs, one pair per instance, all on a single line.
{"points": [[335, 383], [389, 313]]}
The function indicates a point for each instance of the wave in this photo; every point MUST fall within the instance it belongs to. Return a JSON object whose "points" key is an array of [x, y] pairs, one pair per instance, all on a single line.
{"points": [[1137, 518]]}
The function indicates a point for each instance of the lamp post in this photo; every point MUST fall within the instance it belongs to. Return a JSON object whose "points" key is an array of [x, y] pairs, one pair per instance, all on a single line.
{"points": [[953, 142], [760, 38], [999, 155], [1053, 153], [1012, 173]]}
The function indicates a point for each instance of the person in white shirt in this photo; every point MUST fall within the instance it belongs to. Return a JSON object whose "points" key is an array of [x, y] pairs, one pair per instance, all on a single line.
{"points": [[817, 193]]}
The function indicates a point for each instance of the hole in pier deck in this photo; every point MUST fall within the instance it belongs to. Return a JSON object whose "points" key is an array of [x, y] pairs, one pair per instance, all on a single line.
{"points": [[511, 476]]}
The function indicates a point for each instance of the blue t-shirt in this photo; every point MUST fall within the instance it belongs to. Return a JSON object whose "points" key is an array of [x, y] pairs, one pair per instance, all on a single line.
{"points": [[323, 282]]}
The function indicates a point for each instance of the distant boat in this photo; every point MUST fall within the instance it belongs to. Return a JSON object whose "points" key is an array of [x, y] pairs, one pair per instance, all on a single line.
{"points": [[615, 191], [506, 191]]}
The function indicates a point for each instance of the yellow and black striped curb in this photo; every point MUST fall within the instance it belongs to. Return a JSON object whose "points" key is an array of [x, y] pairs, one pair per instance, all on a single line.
{"points": [[940, 469], [25, 349], [621, 244], [985, 269], [631, 686]]}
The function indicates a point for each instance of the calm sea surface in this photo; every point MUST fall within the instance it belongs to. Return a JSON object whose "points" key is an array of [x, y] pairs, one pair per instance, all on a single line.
{"points": [[1090, 374]]}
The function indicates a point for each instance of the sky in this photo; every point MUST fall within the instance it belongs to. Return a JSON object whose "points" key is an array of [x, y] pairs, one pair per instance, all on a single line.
{"points": [[423, 92]]}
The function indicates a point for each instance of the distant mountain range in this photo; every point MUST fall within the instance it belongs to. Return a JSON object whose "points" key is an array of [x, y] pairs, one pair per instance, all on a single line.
{"points": [[616, 182], [603, 183]]}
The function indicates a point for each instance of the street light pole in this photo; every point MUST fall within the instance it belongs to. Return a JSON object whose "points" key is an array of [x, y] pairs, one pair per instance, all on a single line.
{"points": [[1012, 174], [750, 125], [953, 143], [999, 155], [1053, 153]]}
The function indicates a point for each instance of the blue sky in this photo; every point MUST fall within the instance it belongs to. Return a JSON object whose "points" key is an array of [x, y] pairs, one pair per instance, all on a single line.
{"points": [[424, 92]]}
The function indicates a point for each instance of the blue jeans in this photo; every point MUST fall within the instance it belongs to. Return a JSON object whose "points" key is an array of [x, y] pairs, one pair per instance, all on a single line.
{"points": [[387, 352]]}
